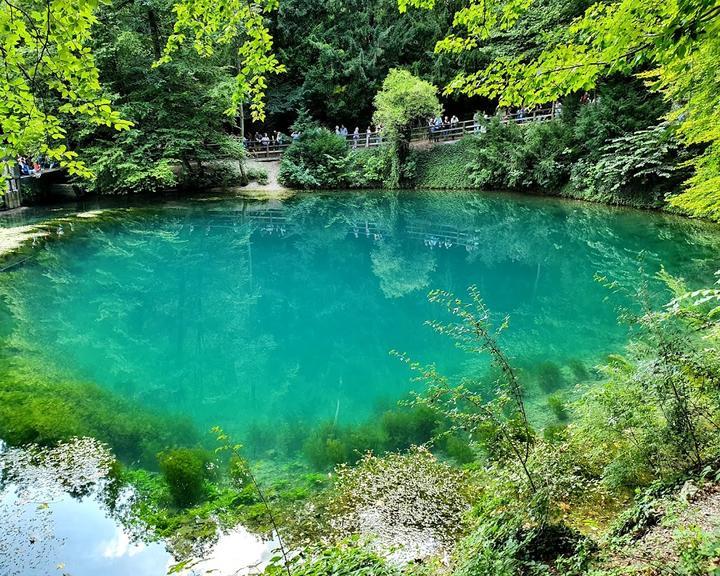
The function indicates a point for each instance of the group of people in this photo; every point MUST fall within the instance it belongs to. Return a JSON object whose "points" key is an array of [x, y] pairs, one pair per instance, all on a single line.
{"points": [[262, 141], [265, 140], [439, 127], [441, 124], [368, 136], [30, 167]]}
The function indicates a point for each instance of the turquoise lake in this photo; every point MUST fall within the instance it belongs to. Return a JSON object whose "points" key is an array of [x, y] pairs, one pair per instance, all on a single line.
{"points": [[266, 315], [271, 318]]}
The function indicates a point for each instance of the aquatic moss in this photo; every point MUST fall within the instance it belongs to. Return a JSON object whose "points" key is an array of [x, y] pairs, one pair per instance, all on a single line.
{"points": [[40, 410], [185, 470]]}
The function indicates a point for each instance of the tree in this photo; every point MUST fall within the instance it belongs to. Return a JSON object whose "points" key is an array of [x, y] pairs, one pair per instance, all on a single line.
{"points": [[403, 100], [674, 46], [338, 52], [211, 24], [177, 110], [49, 75], [52, 82]]}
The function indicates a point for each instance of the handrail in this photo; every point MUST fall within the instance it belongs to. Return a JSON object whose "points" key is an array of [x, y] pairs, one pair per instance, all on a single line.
{"points": [[457, 130], [273, 151]]}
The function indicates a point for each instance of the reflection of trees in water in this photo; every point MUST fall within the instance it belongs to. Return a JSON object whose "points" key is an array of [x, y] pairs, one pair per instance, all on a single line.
{"points": [[401, 272], [31, 480], [199, 300]]}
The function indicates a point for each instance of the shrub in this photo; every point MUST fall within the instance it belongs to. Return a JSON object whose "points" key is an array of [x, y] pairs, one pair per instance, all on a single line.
{"points": [[639, 168], [445, 167], [319, 159], [185, 471], [370, 167], [259, 175]]}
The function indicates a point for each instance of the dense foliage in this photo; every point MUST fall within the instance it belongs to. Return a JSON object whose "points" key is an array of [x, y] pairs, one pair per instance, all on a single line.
{"points": [[49, 76], [177, 77], [612, 150], [672, 45], [403, 101]]}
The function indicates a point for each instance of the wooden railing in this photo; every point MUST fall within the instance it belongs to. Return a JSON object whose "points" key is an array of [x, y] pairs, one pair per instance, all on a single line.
{"points": [[273, 151], [457, 130], [269, 152]]}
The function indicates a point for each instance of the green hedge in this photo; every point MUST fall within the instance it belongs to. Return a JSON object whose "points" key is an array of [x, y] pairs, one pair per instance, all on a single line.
{"points": [[444, 166]]}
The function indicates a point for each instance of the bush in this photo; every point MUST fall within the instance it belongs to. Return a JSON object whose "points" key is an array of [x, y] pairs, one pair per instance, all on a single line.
{"points": [[259, 175], [638, 169], [622, 106], [445, 167], [185, 471], [370, 167], [504, 156], [319, 159]]}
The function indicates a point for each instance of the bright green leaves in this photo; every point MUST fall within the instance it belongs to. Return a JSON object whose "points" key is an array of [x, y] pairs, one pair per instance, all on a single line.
{"points": [[210, 24], [403, 99], [403, 5], [678, 39], [49, 75]]}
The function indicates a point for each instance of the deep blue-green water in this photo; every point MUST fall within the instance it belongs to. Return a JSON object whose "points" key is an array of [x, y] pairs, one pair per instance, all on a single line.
{"points": [[241, 312], [278, 315]]}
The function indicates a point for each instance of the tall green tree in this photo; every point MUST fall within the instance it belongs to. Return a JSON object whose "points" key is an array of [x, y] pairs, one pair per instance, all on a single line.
{"points": [[177, 110], [49, 74], [674, 46], [338, 52], [403, 100], [52, 83]]}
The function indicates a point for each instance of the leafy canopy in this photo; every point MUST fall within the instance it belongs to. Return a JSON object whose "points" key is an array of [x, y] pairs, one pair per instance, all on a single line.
{"points": [[673, 45], [49, 75], [51, 80], [212, 23], [403, 99]]}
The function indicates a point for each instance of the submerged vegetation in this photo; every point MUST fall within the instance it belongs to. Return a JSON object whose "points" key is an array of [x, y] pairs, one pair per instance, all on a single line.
{"points": [[470, 476], [540, 443]]}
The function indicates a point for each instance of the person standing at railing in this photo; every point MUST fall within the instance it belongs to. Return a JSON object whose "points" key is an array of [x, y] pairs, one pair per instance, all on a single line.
{"points": [[431, 129], [368, 134], [454, 121], [343, 131], [356, 137], [438, 127]]}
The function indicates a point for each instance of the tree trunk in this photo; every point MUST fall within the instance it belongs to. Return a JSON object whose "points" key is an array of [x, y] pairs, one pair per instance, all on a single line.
{"points": [[155, 33]]}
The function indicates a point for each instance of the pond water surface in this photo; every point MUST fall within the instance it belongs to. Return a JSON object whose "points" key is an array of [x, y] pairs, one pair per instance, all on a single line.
{"points": [[269, 315]]}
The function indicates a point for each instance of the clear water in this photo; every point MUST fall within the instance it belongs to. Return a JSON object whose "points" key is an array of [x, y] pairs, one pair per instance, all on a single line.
{"points": [[267, 313], [250, 314]]}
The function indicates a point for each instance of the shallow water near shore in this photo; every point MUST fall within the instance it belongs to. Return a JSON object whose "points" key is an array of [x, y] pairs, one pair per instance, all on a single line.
{"points": [[267, 316]]}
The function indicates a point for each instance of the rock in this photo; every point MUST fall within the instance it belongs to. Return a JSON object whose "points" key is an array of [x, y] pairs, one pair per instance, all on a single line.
{"points": [[689, 491]]}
